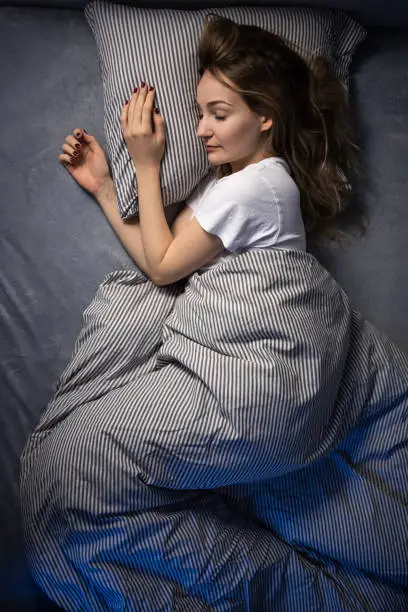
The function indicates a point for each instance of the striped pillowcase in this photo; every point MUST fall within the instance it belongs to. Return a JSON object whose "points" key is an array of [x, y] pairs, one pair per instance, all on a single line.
{"points": [[159, 46]]}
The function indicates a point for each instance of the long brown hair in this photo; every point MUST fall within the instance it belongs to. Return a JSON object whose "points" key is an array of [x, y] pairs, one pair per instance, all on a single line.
{"points": [[310, 111]]}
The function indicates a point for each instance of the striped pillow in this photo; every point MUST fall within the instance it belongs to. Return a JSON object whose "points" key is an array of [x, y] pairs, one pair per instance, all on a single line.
{"points": [[159, 46]]}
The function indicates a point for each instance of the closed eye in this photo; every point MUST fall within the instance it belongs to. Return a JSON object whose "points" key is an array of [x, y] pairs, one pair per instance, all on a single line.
{"points": [[216, 117]]}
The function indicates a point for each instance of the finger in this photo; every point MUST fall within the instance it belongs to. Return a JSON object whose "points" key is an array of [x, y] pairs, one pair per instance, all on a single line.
{"points": [[159, 127], [73, 142], [124, 118], [147, 110], [66, 159], [83, 138], [73, 152], [124, 115], [79, 134], [134, 106], [140, 102], [72, 146], [68, 149]]}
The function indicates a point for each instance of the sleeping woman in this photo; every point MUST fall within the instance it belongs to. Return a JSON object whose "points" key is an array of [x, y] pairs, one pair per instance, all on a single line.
{"points": [[277, 134]]}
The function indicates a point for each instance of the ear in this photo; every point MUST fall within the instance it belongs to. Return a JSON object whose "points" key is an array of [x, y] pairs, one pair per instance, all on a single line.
{"points": [[266, 124]]}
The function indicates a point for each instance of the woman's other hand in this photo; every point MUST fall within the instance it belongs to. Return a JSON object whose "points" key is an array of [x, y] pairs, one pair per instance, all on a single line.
{"points": [[143, 129], [85, 160]]}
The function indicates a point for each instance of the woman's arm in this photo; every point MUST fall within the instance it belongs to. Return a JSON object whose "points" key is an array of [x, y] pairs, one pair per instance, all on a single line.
{"points": [[190, 248], [128, 232], [156, 234], [169, 257]]}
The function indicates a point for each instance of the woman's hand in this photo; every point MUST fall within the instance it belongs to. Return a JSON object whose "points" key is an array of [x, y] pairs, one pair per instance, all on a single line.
{"points": [[85, 160], [146, 147]]}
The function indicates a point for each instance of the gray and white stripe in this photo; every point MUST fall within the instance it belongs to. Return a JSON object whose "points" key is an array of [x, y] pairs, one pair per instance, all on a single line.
{"points": [[235, 442], [159, 46]]}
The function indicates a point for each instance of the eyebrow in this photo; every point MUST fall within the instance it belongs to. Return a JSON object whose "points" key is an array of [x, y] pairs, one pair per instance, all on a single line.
{"points": [[214, 102]]}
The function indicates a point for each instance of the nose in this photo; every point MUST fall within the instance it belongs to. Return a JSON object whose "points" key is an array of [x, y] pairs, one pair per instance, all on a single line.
{"points": [[202, 131]]}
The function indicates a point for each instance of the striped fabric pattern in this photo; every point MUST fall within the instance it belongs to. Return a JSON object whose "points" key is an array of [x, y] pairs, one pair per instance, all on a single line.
{"points": [[159, 46], [236, 441]]}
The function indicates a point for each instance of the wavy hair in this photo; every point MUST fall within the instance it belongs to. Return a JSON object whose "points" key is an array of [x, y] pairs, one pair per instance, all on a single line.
{"points": [[310, 111]]}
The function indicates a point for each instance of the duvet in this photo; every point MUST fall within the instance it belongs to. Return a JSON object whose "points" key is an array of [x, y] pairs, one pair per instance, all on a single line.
{"points": [[236, 441]]}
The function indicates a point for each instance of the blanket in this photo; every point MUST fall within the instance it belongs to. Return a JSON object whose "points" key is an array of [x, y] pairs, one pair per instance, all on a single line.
{"points": [[236, 441]]}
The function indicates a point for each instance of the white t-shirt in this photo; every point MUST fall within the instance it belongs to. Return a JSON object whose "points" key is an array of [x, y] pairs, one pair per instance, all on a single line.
{"points": [[254, 208]]}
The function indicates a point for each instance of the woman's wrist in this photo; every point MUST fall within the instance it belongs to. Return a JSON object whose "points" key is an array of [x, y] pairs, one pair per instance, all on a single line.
{"points": [[105, 187]]}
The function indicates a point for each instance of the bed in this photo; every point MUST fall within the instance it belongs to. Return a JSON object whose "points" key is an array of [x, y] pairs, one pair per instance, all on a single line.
{"points": [[64, 275]]}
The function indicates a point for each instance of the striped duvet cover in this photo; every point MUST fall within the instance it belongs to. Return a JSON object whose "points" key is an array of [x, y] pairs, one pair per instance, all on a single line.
{"points": [[234, 442]]}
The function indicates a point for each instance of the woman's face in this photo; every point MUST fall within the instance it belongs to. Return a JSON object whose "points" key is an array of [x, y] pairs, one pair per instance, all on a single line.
{"points": [[229, 125]]}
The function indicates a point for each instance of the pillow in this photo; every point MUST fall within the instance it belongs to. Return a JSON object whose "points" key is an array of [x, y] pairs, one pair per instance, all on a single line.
{"points": [[159, 46]]}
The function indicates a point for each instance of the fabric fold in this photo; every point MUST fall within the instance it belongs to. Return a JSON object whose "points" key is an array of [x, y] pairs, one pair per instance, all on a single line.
{"points": [[212, 441]]}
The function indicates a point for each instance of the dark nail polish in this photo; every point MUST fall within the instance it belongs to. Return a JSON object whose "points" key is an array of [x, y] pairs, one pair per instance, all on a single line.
{"points": [[78, 146], [142, 84]]}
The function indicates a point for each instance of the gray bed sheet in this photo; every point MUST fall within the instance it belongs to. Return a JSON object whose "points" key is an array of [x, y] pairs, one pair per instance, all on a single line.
{"points": [[56, 245]]}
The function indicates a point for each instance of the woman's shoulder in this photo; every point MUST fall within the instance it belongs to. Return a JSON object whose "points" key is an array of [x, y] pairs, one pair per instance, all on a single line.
{"points": [[268, 166], [255, 180], [259, 185], [271, 173], [276, 176]]}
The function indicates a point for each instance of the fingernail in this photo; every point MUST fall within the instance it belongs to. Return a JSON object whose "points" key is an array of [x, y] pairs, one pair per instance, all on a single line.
{"points": [[135, 90], [126, 102], [142, 84], [85, 131], [156, 110], [151, 88], [78, 146]]}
